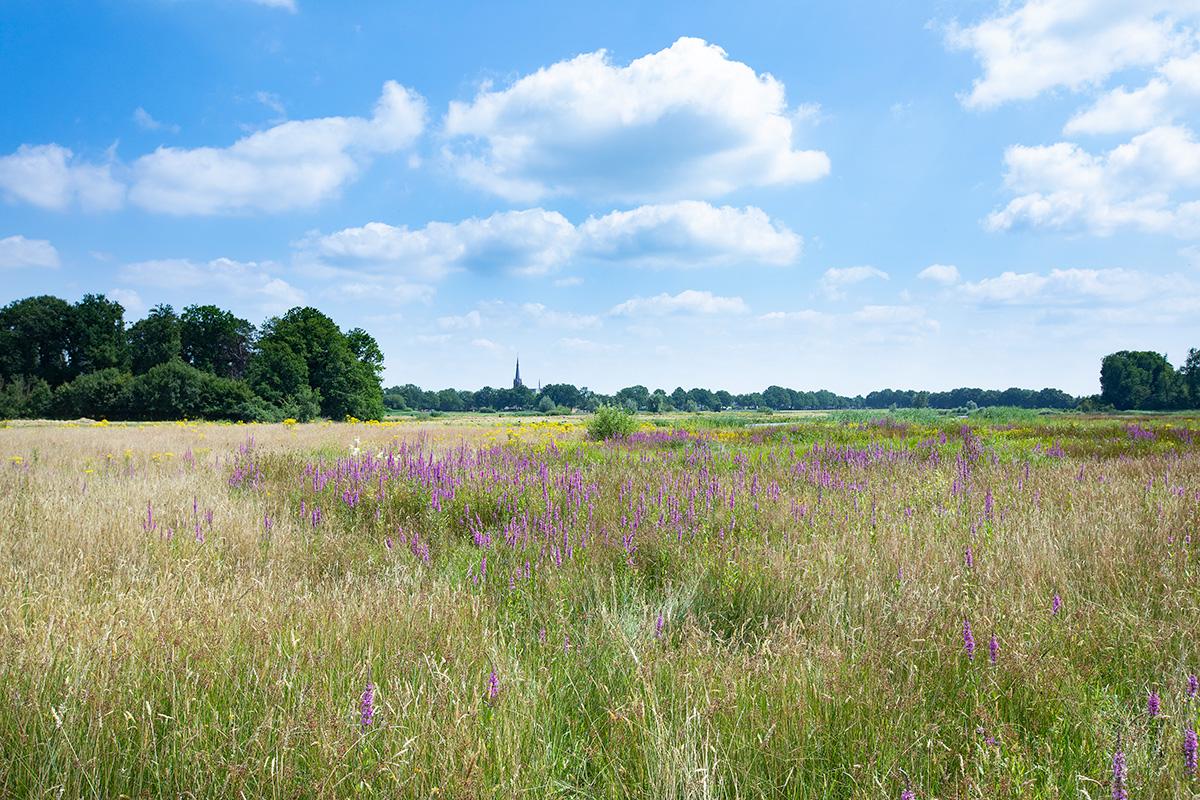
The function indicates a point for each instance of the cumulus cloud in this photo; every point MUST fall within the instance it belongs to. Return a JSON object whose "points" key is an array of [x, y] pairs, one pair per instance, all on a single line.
{"points": [[690, 234], [50, 176], [295, 164], [222, 277], [684, 122], [536, 241], [1041, 45], [576, 345], [17, 252], [945, 274], [531, 242], [1171, 93], [1134, 185], [835, 281], [689, 301]]}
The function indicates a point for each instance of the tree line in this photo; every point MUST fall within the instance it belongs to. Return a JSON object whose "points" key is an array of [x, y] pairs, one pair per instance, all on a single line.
{"points": [[564, 396], [1128, 379], [69, 360]]}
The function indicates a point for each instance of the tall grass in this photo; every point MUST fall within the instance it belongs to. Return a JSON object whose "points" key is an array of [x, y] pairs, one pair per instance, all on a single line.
{"points": [[811, 580]]}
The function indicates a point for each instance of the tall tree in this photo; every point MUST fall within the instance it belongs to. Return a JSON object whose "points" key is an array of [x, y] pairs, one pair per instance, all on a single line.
{"points": [[98, 336], [214, 340], [155, 339], [1139, 379], [35, 340]]}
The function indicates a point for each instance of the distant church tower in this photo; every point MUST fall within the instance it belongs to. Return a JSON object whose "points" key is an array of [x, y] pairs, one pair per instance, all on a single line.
{"points": [[517, 380]]}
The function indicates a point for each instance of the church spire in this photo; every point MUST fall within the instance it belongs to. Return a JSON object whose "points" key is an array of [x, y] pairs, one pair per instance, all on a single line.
{"points": [[517, 380]]}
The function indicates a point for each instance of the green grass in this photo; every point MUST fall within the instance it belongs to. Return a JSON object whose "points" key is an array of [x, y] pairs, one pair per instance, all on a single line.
{"points": [[811, 644]]}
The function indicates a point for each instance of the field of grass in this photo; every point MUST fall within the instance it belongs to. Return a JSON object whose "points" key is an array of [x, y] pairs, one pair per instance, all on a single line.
{"points": [[851, 607]]}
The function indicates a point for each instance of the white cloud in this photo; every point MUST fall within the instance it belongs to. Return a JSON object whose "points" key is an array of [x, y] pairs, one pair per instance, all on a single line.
{"points": [[1172, 92], [221, 277], [487, 344], [835, 281], [49, 176], [1131, 186], [681, 123], [537, 242], [689, 301], [945, 274], [530, 242], [286, 5], [690, 234], [148, 123], [17, 252], [1074, 44], [294, 164], [472, 319], [130, 300], [1072, 287], [559, 319]]}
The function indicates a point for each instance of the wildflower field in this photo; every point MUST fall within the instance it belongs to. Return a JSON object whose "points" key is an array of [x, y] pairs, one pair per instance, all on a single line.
{"points": [[819, 608]]}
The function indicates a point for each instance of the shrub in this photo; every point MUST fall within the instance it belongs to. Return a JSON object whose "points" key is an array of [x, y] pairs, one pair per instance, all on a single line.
{"points": [[94, 394], [175, 390], [610, 421]]}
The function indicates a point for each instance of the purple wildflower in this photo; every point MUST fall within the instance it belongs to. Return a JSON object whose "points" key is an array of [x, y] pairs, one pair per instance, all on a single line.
{"points": [[968, 640], [1189, 750], [1118, 775], [367, 706], [969, 557], [493, 686], [388, 543], [908, 794], [1055, 604], [993, 649], [658, 626], [1193, 686], [1153, 704], [542, 636]]}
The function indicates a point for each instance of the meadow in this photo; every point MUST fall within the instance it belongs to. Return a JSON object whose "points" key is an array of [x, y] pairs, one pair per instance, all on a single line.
{"points": [[864, 606]]}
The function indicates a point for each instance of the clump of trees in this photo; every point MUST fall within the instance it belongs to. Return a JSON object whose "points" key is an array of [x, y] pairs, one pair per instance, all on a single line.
{"points": [[64, 360], [1144, 380]]}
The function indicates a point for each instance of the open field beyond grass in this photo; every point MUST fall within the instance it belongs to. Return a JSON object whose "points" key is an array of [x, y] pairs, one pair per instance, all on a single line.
{"points": [[489, 608]]}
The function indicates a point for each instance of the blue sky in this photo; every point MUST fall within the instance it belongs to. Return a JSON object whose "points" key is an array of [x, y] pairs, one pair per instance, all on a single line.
{"points": [[845, 196]]}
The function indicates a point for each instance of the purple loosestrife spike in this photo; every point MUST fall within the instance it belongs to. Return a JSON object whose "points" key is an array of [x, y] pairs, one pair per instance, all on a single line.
{"points": [[493, 686], [1153, 704], [542, 636], [993, 649], [908, 794], [1189, 751], [1118, 775], [1193, 687], [658, 626], [387, 542], [367, 706], [968, 640], [1055, 604], [969, 557]]}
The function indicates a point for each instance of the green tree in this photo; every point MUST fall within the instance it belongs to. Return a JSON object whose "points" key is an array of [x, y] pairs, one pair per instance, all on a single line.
{"points": [[35, 340], [155, 339], [1139, 379], [279, 375], [98, 340], [346, 385], [1190, 373], [214, 340]]}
